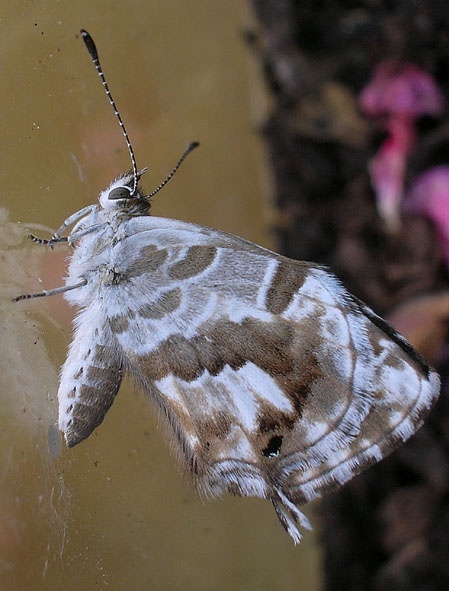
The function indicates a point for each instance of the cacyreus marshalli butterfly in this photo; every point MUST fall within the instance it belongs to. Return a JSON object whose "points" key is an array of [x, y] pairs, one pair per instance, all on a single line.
{"points": [[274, 381]]}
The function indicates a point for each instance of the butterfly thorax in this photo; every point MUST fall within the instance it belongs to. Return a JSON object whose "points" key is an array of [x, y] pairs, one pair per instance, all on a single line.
{"points": [[99, 231]]}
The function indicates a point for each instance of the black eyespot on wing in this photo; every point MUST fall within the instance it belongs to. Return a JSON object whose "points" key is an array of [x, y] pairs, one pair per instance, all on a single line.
{"points": [[273, 448]]}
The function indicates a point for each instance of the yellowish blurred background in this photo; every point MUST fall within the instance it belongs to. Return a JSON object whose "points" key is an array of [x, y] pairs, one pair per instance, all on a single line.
{"points": [[114, 512]]}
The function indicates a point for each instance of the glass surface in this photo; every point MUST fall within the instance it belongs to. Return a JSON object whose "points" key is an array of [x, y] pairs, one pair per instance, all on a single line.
{"points": [[114, 512]]}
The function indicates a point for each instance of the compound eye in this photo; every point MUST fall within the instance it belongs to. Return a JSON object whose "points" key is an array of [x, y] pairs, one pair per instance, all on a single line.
{"points": [[120, 193]]}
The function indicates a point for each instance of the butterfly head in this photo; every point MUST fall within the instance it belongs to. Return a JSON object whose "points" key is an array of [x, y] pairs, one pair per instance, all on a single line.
{"points": [[120, 197], [124, 195]]}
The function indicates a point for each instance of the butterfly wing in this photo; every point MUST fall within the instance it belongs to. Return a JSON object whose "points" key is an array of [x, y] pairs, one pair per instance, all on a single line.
{"points": [[276, 382]]}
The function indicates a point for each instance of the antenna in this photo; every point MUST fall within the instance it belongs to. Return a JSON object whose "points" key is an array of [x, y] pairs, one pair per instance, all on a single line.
{"points": [[187, 151], [94, 56]]}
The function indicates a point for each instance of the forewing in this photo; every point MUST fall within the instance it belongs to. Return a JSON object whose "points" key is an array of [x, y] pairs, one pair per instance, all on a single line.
{"points": [[276, 382]]}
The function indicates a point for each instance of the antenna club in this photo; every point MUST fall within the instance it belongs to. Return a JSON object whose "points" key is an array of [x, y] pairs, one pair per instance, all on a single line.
{"points": [[118, 192], [90, 45], [89, 42], [187, 151]]}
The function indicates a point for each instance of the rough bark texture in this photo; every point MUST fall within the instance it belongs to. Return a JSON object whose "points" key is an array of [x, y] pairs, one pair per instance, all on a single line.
{"points": [[389, 528]]}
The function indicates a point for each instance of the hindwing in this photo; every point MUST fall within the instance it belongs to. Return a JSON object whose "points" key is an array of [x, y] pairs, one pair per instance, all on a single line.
{"points": [[275, 381]]}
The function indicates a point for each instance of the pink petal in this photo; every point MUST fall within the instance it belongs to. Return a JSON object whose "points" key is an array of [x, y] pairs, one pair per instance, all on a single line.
{"points": [[387, 170], [404, 89], [429, 196]]}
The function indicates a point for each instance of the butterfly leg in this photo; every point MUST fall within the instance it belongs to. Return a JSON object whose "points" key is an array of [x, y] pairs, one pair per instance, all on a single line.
{"points": [[56, 238], [49, 292], [70, 239], [46, 242], [72, 219], [77, 234]]}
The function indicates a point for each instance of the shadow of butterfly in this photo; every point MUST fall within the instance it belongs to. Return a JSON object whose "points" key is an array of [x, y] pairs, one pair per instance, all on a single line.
{"points": [[274, 381]]}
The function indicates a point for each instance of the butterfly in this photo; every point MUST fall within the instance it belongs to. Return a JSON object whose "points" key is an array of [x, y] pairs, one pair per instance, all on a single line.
{"points": [[273, 380]]}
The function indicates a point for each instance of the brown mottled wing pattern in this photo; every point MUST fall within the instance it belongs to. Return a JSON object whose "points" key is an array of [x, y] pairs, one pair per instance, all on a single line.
{"points": [[276, 382]]}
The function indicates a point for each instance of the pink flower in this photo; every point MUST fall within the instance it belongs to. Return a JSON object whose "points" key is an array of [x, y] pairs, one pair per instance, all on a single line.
{"points": [[429, 196], [403, 90], [387, 169], [400, 93]]}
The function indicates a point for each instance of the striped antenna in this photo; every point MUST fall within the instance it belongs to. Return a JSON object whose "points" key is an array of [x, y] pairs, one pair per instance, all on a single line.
{"points": [[94, 56], [187, 151]]}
